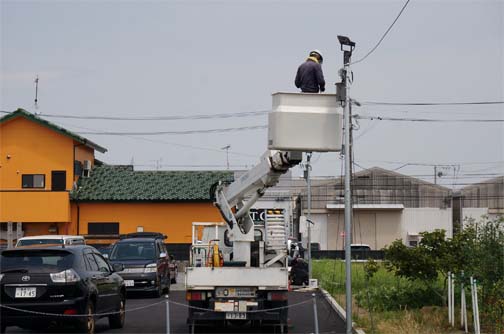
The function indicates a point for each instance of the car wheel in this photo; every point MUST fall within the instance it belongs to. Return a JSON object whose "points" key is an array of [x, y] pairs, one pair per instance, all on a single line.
{"points": [[116, 320], [87, 324], [3, 328]]}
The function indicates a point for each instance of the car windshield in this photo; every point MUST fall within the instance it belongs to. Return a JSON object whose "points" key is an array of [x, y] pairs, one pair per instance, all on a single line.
{"points": [[133, 251], [31, 242], [36, 261]]}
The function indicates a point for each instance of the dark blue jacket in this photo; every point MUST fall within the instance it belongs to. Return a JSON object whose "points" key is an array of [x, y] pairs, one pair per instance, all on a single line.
{"points": [[309, 77]]}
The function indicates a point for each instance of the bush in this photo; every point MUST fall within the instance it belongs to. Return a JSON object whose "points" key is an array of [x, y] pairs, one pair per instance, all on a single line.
{"points": [[411, 295]]}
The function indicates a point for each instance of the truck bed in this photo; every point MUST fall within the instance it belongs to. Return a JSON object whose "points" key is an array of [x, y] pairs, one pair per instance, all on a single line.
{"points": [[207, 278]]}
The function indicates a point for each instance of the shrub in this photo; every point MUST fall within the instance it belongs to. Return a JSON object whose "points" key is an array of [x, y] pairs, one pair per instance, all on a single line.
{"points": [[411, 295]]}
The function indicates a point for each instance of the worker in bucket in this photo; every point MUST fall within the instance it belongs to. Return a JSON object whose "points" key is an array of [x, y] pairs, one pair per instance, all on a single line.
{"points": [[309, 77]]}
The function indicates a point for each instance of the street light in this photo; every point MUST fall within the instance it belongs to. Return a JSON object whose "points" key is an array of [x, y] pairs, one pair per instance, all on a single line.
{"points": [[347, 46]]}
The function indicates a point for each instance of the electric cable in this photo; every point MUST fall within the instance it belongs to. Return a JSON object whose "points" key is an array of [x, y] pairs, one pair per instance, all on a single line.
{"points": [[431, 103], [385, 34], [157, 118], [183, 132], [400, 119], [165, 142]]}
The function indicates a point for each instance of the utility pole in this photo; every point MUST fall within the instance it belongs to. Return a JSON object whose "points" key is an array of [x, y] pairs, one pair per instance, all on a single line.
{"points": [[308, 214], [347, 46]]}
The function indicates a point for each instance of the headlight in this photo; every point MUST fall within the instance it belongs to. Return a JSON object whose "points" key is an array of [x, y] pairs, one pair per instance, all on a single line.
{"points": [[1, 276], [66, 276], [151, 268]]}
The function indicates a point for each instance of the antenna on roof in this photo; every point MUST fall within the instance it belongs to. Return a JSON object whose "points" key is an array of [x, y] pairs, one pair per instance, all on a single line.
{"points": [[227, 147], [36, 91]]}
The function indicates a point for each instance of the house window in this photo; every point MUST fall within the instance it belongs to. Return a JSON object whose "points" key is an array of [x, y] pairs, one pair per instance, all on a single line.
{"points": [[103, 228], [413, 243], [58, 180], [33, 181]]}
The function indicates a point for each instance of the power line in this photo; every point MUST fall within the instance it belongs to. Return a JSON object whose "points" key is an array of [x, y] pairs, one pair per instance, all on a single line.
{"points": [[185, 132], [438, 164], [169, 143], [385, 34], [157, 118], [431, 103], [400, 119]]}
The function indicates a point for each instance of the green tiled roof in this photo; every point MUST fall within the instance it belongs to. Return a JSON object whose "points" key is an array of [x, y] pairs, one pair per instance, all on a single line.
{"points": [[122, 183], [52, 126]]}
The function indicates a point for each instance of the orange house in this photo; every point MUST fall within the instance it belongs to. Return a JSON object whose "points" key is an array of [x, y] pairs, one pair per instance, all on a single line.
{"points": [[39, 163], [115, 200], [51, 184]]}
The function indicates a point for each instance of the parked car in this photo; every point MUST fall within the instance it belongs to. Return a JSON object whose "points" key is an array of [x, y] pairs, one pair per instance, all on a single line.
{"points": [[63, 280], [145, 260], [103, 249], [51, 239]]}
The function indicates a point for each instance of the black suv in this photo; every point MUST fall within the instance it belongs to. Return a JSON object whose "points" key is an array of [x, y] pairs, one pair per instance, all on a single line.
{"points": [[38, 282], [145, 260]]}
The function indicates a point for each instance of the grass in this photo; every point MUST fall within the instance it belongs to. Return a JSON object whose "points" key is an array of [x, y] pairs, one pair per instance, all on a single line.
{"points": [[427, 320]]}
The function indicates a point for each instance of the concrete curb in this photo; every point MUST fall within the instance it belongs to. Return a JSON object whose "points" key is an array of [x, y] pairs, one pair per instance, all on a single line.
{"points": [[339, 309]]}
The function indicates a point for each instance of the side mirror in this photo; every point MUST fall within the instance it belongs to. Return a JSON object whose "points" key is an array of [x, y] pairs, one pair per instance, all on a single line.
{"points": [[118, 267], [105, 256], [162, 255]]}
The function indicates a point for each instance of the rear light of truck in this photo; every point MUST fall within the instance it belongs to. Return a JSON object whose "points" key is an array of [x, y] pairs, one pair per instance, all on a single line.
{"points": [[277, 296], [195, 295]]}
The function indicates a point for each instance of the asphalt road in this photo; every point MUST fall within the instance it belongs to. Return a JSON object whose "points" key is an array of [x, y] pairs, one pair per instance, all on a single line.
{"points": [[148, 315]]}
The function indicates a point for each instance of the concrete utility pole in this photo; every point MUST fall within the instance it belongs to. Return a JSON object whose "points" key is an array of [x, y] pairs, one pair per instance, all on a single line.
{"points": [[308, 214], [347, 47]]}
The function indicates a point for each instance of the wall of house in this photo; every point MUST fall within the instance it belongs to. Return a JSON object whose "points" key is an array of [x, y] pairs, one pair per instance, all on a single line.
{"points": [[27, 147], [173, 219], [318, 230], [419, 220], [375, 228], [475, 213], [33, 149], [84, 153]]}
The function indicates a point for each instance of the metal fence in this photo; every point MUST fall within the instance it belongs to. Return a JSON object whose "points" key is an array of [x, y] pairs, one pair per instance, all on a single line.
{"points": [[356, 254]]}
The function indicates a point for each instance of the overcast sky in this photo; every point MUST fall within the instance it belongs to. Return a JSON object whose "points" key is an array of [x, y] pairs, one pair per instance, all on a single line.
{"points": [[162, 58]]}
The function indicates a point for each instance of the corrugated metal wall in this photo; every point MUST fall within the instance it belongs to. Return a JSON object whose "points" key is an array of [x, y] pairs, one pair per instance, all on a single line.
{"points": [[379, 186]]}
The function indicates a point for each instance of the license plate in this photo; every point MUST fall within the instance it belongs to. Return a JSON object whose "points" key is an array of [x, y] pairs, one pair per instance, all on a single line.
{"points": [[129, 282], [26, 292], [236, 316]]}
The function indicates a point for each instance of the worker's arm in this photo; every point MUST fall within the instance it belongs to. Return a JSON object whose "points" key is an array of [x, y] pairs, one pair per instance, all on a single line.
{"points": [[297, 82], [320, 78]]}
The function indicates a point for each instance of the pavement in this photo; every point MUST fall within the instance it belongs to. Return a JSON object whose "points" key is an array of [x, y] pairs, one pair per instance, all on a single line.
{"points": [[148, 315]]}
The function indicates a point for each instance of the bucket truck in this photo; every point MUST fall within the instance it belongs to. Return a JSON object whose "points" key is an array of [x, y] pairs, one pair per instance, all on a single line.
{"points": [[239, 272]]}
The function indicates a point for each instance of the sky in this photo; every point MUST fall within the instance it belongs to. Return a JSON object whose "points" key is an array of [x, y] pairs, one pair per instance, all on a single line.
{"points": [[183, 58]]}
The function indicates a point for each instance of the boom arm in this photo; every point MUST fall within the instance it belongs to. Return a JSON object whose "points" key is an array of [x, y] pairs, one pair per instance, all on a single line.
{"points": [[253, 184]]}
